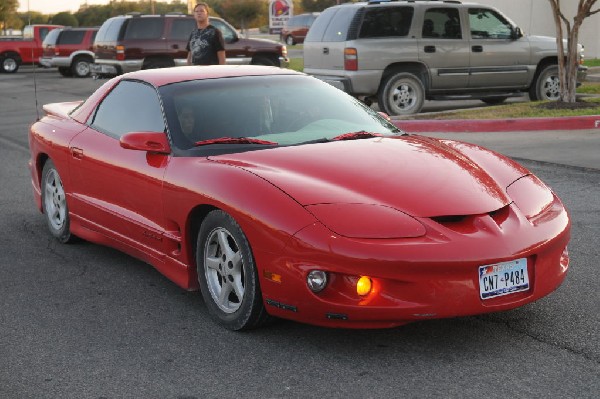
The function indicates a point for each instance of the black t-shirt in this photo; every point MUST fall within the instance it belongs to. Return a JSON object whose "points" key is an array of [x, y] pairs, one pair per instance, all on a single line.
{"points": [[204, 45]]}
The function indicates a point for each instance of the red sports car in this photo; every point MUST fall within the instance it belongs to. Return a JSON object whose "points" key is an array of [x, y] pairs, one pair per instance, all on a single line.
{"points": [[278, 195]]}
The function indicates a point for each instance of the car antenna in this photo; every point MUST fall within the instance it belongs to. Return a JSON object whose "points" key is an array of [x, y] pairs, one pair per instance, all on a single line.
{"points": [[37, 111]]}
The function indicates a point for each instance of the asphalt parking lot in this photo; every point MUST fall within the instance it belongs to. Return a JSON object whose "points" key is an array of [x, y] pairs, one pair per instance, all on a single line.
{"points": [[87, 321]]}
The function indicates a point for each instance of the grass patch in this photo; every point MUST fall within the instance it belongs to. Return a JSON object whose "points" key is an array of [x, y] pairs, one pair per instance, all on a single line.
{"points": [[297, 64], [594, 62], [538, 109], [589, 88]]}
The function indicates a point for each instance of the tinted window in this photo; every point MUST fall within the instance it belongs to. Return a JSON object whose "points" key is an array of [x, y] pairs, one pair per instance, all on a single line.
{"points": [[109, 32], [337, 31], [283, 109], [129, 107], [144, 28], [182, 28], [71, 37], [386, 22], [317, 30], [442, 23], [488, 24], [228, 33], [43, 33]]}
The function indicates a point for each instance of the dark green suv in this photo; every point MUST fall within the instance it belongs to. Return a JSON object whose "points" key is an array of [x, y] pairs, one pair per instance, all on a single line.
{"points": [[401, 53]]}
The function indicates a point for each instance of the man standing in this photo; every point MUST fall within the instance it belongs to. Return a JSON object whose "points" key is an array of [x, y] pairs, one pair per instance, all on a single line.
{"points": [[206, 45]]}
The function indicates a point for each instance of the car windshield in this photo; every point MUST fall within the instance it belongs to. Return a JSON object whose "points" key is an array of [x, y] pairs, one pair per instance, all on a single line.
{"points": [[265, 110]]}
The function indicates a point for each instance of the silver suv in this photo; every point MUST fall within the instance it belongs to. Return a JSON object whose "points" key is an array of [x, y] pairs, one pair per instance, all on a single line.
{"points": [[401, 53]]}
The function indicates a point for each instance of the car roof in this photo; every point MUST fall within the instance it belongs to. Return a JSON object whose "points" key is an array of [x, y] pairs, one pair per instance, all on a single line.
{"points": [[164, 76]]}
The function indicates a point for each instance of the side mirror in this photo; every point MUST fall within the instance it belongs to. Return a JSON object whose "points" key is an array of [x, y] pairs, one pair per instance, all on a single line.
{"points": [[155, 142], [516, 33]]}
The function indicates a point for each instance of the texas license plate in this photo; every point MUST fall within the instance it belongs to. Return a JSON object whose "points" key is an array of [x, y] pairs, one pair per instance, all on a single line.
{"points": [[503, 278]]}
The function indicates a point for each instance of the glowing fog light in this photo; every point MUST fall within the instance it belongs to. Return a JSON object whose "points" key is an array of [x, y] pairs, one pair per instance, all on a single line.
{"points": [[364, 285], [316, 280]]}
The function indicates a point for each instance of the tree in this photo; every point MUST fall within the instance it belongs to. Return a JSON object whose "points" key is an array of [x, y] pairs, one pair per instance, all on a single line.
{"points": [[318, 5], [65, 18], [8, 8], [242, 13], [567, 66]]}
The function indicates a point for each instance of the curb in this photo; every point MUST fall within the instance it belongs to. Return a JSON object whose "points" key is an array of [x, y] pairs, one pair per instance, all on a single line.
{"points": [[498, 125]]}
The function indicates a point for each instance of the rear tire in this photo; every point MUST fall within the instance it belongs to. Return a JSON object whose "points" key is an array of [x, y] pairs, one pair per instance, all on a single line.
{"points": [[289, 40], [80, 68], [227, 274], [401, 94], [546, 85], [10, 63]]}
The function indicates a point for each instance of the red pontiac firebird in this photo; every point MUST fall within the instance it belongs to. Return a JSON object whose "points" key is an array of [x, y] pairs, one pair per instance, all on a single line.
{"points": [[276, 194]]}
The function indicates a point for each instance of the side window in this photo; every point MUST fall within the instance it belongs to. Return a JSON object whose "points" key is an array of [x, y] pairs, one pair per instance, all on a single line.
{"points": [[109, 31], [488, 24], [181, 28], [129, 107], [229, 34], [443, 23], [43, 33], [71, 37], [386, 22], [144, 28]]}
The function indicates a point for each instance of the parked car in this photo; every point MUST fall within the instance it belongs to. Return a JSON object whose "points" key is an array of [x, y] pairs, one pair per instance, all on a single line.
{"points": [[278, 195], [132, 42], [295, 29], [403, 52], [26, 49], [69, 49]]}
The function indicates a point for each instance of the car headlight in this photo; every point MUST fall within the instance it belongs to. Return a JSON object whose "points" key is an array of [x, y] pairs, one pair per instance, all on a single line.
{"points": [[530, 195], [367, 221]]}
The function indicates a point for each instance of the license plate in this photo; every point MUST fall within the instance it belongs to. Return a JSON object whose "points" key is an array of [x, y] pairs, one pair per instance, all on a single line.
{"points": [[503, 278]]}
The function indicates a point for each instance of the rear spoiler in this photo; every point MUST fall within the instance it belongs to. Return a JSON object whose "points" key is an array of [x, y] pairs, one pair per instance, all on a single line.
{"points": [[61, 110]]}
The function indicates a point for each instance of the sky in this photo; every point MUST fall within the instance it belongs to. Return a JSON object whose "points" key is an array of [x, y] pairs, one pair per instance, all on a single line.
{"points": [[55, 6]]}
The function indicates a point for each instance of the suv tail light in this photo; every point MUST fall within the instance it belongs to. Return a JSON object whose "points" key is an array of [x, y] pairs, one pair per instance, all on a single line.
{"points": [[120, 53], [350, 59]]}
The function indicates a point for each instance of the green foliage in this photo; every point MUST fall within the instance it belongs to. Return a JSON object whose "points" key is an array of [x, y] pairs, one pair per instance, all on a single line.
{"points": [[8, 8], [64, 18], [317, 5], [242, 13]]}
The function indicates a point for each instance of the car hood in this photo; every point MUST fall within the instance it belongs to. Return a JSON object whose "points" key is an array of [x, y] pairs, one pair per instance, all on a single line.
{"points": [[416, 175]]}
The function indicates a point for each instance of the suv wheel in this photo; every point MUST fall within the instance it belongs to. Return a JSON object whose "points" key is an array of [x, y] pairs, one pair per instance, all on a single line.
{"points": [[401, 94], [81, 67], [289, 40], [547, 85]]}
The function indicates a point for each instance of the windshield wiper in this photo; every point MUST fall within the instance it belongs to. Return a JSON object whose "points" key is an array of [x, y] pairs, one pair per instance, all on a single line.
{"points": [[234, 140], [356, 135]]}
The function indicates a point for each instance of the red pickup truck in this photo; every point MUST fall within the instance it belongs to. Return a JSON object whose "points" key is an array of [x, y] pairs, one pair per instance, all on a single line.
{"points": [[27, 49]]}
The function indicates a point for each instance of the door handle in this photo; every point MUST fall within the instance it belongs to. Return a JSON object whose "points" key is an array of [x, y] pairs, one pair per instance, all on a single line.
{"points": [[477, 49], [76, 153], [429, 49], [325, 50]]}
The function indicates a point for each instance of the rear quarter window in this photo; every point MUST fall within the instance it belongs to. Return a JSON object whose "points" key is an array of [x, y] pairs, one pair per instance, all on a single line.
{"points": [[338, 28], [144, 29], [317, 30], [71, 37], [109, 32], [386, 22]]}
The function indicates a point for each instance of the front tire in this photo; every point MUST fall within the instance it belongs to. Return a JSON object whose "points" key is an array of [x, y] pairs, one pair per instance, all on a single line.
{"points": [[546, 86], [227, 274], [54, 202], [401, 94], [289, 40], [262, 60]]}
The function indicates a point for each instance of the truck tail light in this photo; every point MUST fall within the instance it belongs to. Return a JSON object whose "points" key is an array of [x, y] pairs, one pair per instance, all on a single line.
{"points": [[120, 53], [350, 59]]}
